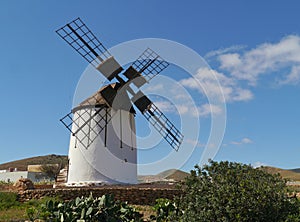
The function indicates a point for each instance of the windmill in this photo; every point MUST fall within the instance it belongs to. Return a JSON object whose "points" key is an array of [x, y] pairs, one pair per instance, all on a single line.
{"points": [[103, 141]]}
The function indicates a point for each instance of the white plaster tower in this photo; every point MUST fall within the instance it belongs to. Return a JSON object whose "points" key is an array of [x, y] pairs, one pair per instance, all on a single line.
{"points": [[109, 157]]}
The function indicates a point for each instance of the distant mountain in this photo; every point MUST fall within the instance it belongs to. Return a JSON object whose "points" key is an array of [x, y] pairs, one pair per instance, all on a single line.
{"points": [[296, 170], [292, 174], [22, 164], [167, 173], [172, 174]]}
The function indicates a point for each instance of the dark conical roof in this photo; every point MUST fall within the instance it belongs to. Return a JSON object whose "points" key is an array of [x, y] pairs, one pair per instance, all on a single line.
{"points": [[96, 100]]}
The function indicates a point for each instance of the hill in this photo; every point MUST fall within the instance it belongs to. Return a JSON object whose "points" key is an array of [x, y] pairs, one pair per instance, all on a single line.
{"points": [[23, 163], [296, 170], [172, 174], [292, 174]]}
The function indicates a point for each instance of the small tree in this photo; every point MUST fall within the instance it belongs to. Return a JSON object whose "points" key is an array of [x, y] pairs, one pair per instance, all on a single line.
{"points": [[234, 192], [51, 170]]}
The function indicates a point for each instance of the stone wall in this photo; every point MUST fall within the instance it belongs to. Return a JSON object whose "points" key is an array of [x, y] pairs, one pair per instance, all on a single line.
{"points": [[10, 187], [133, 195]]}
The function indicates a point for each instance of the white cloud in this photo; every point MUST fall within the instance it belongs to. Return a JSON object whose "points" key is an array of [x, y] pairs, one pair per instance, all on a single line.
{"points": [[208, 109], [216, 85], [165, 106], [292, 78], [264, 59], [246, 140], [259, 164], [153, 88], [230, 60], [194, 143], [182, 109], [224, 50], [204, 110], [179, 103], [243, 141], [189, 109], [247, 65]]}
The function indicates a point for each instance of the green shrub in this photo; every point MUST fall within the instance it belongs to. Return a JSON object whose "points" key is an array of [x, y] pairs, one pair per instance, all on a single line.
{"points": [[164, 209], [294, 216], [104, 208], [8, 200], [228, 191]]}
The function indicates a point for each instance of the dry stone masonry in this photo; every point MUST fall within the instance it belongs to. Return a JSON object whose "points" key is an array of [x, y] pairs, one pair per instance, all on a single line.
{"points": [[133, 195]]}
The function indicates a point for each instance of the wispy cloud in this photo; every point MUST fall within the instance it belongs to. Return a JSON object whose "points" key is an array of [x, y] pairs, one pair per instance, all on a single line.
{"points": [[217, 85], [197, 143], [208, 109], [153, 88], [239, 66], [177, 101], [259, 164], [165, 106], [204, 110], [293, 78], [189, 109], [243, 141], [265, 59], [194, 143], [224, 50]]}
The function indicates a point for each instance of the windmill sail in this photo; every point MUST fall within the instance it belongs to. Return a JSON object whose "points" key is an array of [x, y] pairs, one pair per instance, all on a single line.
{"points": [[147, 66], [81, 38], [160, 122], [88, 119], [86, 125]]}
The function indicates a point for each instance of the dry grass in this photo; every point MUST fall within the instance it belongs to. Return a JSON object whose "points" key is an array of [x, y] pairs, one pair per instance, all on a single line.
{"points": [[146, 210], [287, 174], [13, 214]]}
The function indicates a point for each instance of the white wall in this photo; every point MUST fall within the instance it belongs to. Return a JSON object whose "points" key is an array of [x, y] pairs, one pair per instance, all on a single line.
{"points": [[14, 176]]}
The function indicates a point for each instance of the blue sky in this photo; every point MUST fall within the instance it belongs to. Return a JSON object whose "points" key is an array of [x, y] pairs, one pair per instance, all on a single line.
{"points": [[253, 47]]}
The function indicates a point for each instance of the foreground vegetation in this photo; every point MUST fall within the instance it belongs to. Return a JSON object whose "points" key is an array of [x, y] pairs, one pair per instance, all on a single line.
{"points": [[218, 192], [12, 210], [235, 192]]}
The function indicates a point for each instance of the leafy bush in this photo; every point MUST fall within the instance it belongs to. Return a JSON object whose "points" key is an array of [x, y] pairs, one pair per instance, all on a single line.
{"points": [[164, 208], [8, 200], [86, 208], [228, 191], [51, 170], [35, 208]]}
